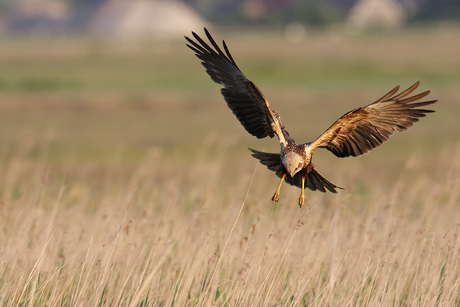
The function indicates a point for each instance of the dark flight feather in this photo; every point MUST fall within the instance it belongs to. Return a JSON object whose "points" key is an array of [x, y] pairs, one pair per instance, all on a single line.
{"points": [[363, 129], [242, 96]]}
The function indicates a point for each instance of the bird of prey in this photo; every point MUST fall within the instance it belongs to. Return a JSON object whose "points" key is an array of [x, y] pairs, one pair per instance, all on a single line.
{"points": [[354, 134]]}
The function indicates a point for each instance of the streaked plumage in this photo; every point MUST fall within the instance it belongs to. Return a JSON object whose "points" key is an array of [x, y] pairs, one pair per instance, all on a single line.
{"points": [[354, 134]]}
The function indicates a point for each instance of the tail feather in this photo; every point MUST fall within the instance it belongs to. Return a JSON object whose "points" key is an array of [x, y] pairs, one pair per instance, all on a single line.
{"points": [[315, 181]]}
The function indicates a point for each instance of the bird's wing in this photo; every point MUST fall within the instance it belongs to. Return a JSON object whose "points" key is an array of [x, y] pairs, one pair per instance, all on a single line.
{"points": [[242, 96], [361, 130], [314, 181]]}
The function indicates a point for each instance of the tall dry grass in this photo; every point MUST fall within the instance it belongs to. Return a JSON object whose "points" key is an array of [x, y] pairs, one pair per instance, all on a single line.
{"points": [[156, 234]]}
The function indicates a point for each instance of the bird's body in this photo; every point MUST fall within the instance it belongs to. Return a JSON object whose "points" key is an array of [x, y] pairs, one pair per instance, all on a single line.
{"points": [[355, 133]]}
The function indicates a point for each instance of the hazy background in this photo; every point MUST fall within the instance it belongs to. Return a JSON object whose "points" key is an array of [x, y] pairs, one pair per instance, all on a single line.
{"points": [[64, 64], [122, 170]]}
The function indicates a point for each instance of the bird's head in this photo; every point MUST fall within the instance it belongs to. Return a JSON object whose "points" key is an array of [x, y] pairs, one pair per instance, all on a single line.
{"points": [[293, 163]]}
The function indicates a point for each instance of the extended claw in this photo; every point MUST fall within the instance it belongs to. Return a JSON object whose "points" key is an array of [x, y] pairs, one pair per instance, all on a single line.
{"points": [[302, 194], [276, 196], [301, 200]]}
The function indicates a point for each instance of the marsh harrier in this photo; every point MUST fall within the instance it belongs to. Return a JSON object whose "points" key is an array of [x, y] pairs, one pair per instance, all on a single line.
{"points": [[354, 134]]}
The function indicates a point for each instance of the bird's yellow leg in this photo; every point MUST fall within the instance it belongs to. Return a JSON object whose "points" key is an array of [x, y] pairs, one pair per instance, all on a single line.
{"points": [[276, 196], [302, 194]]}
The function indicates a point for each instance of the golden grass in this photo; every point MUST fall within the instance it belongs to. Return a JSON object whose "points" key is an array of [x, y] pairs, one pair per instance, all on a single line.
{"points": [[155, 235]]}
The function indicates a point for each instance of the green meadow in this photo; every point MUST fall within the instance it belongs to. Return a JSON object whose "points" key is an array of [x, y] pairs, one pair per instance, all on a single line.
{"points": [[126, 181]]}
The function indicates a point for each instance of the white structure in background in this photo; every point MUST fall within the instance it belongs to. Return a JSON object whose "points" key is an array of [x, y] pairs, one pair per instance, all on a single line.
{"points": [[34, 17], [380, 14], [144, 18]]}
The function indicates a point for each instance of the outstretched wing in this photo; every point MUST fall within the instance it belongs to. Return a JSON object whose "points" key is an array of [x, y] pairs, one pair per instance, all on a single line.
{"points": [[361, 130], [314, 181], [242, 96]]}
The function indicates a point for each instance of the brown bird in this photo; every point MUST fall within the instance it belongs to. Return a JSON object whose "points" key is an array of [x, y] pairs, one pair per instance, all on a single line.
{"points": [[354, 134]]}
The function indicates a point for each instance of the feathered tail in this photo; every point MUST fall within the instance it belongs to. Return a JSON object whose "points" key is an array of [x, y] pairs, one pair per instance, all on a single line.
{"points": [[314, 181]]}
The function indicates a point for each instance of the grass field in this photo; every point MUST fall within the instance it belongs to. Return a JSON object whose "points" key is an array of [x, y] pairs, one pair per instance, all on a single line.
{"points": [[126, 181]]}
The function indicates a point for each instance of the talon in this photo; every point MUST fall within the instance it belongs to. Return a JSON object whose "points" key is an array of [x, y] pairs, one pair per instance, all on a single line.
{"points": [[276, 196], [301, 201], [302, 195]]}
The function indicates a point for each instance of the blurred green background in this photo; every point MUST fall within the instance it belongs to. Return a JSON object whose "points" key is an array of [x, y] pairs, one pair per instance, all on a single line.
{"points": [[107, 97]]}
